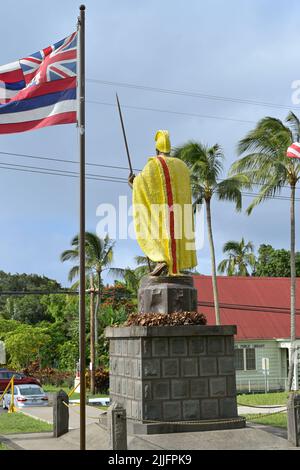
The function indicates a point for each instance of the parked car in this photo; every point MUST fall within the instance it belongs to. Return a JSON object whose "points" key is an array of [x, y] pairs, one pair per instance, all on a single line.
{"points": [[26, 395], [6, 375]]}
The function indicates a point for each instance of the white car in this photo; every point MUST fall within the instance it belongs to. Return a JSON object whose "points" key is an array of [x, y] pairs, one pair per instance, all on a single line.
{"points": [[26, 395]]}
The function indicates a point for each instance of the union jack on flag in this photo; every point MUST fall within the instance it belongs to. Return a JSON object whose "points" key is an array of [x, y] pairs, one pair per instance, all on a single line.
{"points": [[40, 90]]}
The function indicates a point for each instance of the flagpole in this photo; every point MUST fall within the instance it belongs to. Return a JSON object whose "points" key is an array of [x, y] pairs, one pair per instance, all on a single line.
{"points": [[81, 126]]}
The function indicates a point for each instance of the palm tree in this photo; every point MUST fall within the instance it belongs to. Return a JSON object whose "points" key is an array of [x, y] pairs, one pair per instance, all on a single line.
{"points": [[130, 277], [266, 164], [240, 256], [99, 256], [133, 276], [144, 264], [206, 166]]}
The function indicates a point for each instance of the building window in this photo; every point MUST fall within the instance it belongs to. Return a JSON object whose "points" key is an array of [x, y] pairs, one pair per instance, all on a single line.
{"points": [[250, 359], [239, 359], [245, 359]]}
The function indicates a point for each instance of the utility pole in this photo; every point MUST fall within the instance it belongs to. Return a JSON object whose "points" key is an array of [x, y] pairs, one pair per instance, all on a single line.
{"points": [[81, 126]]}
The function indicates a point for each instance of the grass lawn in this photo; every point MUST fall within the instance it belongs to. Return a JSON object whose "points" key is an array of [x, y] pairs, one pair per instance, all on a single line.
{"points": [[260, 399], [279, 420], [3, 447], [75, 395], [276, 398], [11, 423]]}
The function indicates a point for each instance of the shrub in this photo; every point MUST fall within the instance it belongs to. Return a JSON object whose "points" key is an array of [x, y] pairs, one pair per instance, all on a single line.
{"points": [[101, 380], [49, 376]]}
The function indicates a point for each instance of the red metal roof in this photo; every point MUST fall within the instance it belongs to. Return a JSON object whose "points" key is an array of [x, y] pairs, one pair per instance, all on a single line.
{"points": [[259, 306]]}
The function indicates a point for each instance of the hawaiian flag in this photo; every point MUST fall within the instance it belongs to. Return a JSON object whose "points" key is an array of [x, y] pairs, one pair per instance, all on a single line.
{"points": [[40, 90], [294, 150]]}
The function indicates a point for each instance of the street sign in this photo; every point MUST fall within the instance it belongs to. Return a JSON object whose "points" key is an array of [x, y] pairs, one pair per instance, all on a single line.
{"points": [[265, 365]]}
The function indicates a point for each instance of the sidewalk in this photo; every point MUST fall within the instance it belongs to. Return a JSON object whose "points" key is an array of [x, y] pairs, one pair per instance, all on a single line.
{"points": [[253, 437], [247, 410], [249, 438]]}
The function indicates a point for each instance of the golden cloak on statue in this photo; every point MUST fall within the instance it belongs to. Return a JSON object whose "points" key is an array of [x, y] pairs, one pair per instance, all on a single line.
{"points": [[162, 209]]}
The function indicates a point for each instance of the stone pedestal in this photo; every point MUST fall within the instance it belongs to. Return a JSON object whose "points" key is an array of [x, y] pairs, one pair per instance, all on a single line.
{"points": [[174, 378], [167, 294]]}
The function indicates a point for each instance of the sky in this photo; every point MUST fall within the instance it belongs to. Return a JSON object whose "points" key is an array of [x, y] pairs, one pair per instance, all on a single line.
{"points": [[246, 50]]}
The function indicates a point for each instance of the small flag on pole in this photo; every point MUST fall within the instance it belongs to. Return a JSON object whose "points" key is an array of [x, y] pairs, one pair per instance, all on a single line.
{"points": [[40, 90], [294, 150]]}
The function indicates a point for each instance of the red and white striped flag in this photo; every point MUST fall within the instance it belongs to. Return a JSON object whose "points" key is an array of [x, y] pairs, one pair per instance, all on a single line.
{"points": [[294, 150]]}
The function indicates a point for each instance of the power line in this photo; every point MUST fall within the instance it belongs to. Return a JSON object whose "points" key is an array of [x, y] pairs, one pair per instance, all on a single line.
{"points": [[38, 292], [285, 198], [180, 113], [54, 159], [229, 306], [252, 308], [116, 167], [189, 93], [63, 172], [53, 172], [97, 177]]}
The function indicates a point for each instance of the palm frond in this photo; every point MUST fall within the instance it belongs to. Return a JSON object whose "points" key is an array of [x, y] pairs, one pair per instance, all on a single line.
{"points": [[117, 272], [205, 163], [74, 272], [270, 137], [270, 189], [141, 260], [222, 266], [68, 255], [94, 244], [231, 245], [250, 259], [230, 190], [108, 255], [294, 125]]}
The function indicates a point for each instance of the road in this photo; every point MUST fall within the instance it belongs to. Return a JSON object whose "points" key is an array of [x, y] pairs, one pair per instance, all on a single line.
{"points": [[46, 414]]}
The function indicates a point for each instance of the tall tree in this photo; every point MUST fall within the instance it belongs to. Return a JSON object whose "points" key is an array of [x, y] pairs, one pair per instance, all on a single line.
{"points": [[240, 258], [273, 262], [99, 256], [264, 163], [27, 309], [206, 166]]}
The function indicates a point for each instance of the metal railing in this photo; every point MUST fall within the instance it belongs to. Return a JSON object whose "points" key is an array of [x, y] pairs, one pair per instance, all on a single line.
{"points": [[261, 384]]}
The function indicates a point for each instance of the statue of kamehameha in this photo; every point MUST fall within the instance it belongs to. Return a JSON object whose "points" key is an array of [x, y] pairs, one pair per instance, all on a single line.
{"points": [[162, 210]]}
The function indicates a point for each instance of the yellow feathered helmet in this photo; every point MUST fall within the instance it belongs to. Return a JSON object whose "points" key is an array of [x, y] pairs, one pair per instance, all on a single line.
{"points": [[162, 140]]}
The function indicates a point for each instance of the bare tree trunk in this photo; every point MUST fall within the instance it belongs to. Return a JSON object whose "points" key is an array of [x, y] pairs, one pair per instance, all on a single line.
{"points": [[213, 263], [92, 336], [293, 293]]}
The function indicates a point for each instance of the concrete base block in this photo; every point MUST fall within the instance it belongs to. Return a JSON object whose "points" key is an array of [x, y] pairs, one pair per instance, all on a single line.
{"points": [[174, 378], [134, 427]]}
